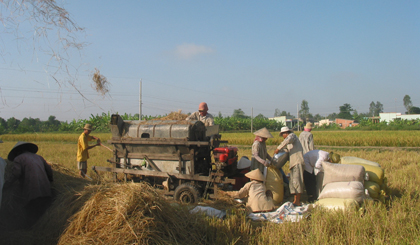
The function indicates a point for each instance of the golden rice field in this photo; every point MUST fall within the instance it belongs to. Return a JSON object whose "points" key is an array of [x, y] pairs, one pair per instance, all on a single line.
{"points": [[99, 212], [340, 138], [327, 138]]}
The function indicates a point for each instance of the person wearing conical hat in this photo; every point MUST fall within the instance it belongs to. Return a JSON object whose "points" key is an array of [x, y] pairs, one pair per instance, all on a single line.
{"points": [[34, 175], [292, 143], [260, 156], [259, 198], [83, 148], [306, 138]]}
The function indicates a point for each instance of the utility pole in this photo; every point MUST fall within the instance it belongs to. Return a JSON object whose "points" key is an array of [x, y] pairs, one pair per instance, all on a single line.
{"points": [[252, 117], [298, 116], [140, 100]]}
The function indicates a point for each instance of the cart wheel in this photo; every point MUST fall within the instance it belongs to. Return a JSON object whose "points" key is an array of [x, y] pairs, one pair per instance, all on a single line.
{"points": [[186, 193]]}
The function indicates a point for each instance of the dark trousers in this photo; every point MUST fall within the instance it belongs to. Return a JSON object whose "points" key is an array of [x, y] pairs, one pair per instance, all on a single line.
{"points": [[310, 185], [35, 209]]}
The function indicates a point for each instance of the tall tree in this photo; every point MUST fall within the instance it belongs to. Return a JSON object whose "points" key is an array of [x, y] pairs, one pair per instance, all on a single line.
{"points": [[332, 116], [304, 110], [318, 117], [407, 103], [284, 113], [239, 113], [277, 112], [414, 110], [261, 116], [345, 112], [379, 108], [12, 123], [372, 108]]}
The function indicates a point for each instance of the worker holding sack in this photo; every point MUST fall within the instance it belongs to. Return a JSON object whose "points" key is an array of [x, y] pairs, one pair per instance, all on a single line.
{"points": [[292, 143], [260, 157], [313, 165]]}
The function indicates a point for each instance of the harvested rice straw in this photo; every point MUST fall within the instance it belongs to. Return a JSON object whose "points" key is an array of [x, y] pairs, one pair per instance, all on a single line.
{"points": [[101, 82]]}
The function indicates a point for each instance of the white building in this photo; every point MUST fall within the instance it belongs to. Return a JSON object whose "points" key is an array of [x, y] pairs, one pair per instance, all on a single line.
{"points": [[286, 120], [391, 116]]}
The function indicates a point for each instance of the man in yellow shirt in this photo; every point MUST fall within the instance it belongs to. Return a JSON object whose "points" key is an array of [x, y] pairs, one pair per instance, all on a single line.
{"points": [[83, 147]]}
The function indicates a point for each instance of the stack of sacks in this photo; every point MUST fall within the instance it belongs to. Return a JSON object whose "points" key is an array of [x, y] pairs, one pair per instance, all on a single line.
{"points": [[377, 183], [342, 186]]}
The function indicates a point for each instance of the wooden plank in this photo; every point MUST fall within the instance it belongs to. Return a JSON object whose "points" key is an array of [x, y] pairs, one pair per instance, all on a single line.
{"points": [[160, 174], [141, 141], [169, 157], [152, 164]]}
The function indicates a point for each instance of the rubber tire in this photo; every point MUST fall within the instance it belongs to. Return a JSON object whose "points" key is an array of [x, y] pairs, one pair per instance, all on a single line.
{"points": [[186, 194]]}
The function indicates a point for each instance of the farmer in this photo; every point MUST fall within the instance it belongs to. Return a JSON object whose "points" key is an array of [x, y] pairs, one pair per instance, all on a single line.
{"points": [[259, 199], [296, 162], [260, 157], [83, 147], [306, 138], [34, 175], [202, 115], [313, 166]]}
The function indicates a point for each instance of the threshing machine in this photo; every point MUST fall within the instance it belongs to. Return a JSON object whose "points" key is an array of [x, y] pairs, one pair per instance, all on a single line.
{"points": [[184, 157]]}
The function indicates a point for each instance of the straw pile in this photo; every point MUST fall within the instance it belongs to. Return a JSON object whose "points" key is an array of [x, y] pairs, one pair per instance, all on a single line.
{"points": [[101, 82], [120, 213], [133, 213], [175, 115]]}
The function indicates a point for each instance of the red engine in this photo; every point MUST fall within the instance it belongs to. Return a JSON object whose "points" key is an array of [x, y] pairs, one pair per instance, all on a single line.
{"points": [[227, 154]]}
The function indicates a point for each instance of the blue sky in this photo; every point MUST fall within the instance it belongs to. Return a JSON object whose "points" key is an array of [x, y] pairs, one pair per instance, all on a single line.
{"points": [[231, 54]]}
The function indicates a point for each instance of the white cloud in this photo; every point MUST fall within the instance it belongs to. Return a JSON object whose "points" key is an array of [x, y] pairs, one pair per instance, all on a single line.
{"points": [[188, 51]]}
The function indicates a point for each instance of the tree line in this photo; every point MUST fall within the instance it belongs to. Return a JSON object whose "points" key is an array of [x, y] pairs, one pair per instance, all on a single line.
{"points": [[347, 112], [100, 123]]}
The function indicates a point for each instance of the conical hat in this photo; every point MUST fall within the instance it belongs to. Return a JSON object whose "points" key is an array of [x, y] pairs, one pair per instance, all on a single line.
{"points": [[256, 175], [263, 133], [19, 147], [309, 125]]}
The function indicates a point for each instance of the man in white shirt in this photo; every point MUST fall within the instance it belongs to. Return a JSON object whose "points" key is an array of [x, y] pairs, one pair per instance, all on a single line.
{"points": [[313, 165]]}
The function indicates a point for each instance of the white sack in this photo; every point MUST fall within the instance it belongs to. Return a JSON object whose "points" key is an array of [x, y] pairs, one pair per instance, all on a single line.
{"points": [[346, 190], [342, 173], [209, 211], [244, 162]]}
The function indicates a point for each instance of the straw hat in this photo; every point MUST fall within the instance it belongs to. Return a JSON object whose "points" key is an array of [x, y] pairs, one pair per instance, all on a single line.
{"points": [[285, 129], [255, 175], [334, 157], [88, 127], [20, 147], [263, 133], [309, 125]]}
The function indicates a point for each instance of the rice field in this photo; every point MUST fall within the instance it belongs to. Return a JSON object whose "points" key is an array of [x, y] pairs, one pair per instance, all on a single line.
{"points": [[325, 138], [340, 138], [99, 212]]}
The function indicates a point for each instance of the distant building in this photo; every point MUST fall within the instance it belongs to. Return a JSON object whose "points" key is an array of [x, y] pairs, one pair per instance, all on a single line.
{"points": [[391, 116], [344, 123], [325, 122], [288, 121]]}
